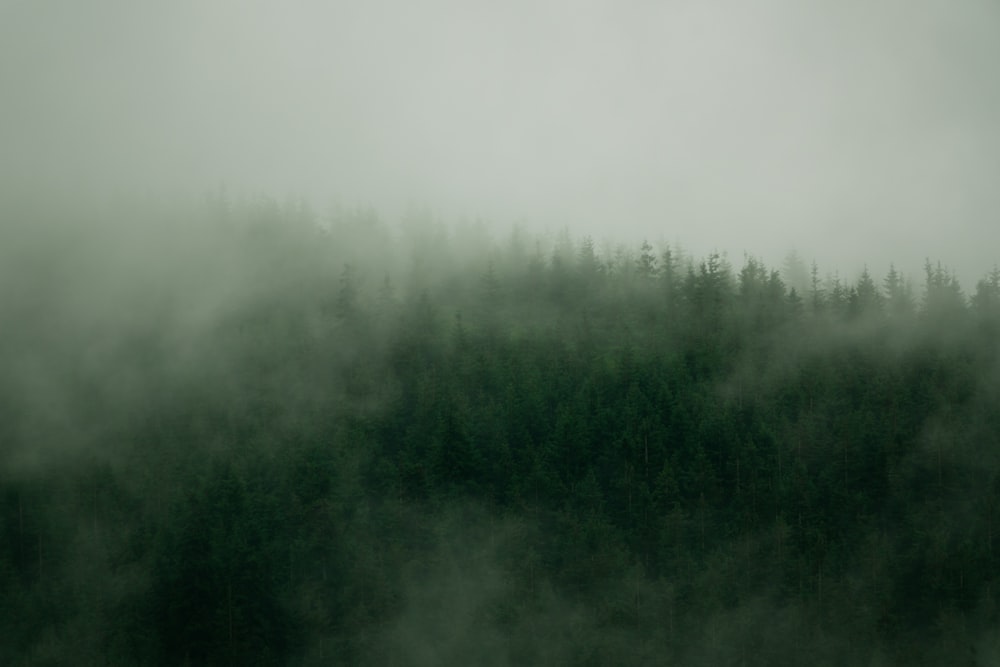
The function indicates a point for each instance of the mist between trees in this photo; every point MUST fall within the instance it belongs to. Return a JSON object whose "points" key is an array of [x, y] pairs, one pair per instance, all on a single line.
{"points": [[239, 433]]}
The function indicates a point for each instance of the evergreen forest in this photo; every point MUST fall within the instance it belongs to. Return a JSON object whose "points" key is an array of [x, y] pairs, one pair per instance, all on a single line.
{"points": [[237, 432]]}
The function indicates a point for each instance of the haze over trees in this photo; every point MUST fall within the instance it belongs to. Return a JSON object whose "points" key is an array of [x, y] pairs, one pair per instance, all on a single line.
{"points": [[242, 433]]}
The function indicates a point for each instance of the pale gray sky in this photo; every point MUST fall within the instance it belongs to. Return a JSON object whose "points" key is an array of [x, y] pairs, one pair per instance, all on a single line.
{"points": [[856, 131]]}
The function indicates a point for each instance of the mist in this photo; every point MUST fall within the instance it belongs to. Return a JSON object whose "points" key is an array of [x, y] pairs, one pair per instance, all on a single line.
{"points": [[851, 132], [469, 333]]}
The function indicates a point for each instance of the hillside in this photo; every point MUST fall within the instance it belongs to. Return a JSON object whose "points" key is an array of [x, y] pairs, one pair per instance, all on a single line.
{"points": [[242, 433]]}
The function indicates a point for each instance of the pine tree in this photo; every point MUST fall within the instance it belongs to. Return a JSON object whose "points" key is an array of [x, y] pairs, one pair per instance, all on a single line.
{"points": [[817, 295], [865, 297], [898, 294], [646, 263]]}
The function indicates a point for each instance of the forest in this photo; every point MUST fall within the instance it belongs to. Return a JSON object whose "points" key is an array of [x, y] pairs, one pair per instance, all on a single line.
{"points": [[238, 432]]}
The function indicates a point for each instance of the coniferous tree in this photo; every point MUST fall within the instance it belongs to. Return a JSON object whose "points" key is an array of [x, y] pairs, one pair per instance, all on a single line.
{"points": [[817, 295], [942, 294], [898, 294], [838, 296], [646, 268], [865, 298], [671, 278], [986, 300]]}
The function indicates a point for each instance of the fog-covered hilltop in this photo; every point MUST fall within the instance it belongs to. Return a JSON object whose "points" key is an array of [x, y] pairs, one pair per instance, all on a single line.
{"points": [[245, 433]]}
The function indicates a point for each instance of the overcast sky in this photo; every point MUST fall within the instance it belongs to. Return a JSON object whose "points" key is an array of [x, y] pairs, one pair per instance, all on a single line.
{"points": [[854, 131]]}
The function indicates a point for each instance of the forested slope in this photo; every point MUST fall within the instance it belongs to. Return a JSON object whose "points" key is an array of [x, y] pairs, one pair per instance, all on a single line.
{"points": [[234, 433]]}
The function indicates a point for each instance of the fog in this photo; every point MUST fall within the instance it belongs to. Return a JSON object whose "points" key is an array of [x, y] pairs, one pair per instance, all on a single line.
{"points": [[234, 436], [855, 132]]}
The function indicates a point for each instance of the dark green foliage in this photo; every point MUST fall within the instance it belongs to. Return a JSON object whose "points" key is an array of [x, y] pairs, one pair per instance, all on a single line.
{"points": [[511, 456]]}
